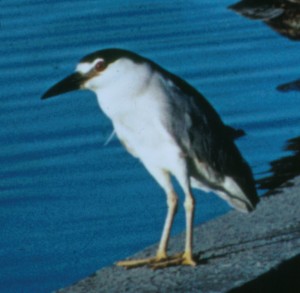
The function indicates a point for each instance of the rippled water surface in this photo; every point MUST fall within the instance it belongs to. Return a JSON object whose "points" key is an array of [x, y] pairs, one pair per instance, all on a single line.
{"points": [[70, 205]]}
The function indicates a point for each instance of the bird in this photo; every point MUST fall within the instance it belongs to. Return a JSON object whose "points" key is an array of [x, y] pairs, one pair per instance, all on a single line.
{"points": [[169, 126]]}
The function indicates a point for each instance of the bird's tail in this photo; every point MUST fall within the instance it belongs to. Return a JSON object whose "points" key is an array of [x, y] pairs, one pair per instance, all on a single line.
{"points": [[236, 197], [231, 193], [238, 191]]}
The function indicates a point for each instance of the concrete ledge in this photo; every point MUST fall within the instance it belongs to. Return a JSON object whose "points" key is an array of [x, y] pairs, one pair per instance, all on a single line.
{"points": [[259, 252]]}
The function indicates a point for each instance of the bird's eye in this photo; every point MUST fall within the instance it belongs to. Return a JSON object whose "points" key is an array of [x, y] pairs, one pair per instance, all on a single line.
{"points": [[100, 65]]}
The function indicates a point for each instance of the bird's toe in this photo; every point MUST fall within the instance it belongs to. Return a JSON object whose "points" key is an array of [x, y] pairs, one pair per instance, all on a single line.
{"points": [[176, 260], [135, 263]]}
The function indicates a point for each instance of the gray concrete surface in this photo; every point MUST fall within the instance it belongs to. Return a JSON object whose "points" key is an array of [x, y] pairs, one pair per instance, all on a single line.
{"points": [[259, 252]]}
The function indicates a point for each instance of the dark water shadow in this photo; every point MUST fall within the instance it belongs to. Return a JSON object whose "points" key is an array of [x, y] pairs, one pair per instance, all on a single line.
{"points": [[283, 170], [290, 86], [284, 278], [283, 16]]}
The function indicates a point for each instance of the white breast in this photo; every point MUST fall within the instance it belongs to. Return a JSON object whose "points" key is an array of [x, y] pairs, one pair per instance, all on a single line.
{"points": [[136, 106]]}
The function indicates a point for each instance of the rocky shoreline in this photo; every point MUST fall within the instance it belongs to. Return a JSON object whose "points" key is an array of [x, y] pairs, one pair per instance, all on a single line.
{"points": [[259, 252]]}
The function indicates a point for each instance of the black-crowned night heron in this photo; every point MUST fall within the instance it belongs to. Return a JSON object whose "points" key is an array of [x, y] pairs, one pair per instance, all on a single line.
{"points": [[172, 129]]}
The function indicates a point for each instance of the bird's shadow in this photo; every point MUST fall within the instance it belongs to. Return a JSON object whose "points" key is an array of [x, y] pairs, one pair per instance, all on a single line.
{"points": [[215, 253]]}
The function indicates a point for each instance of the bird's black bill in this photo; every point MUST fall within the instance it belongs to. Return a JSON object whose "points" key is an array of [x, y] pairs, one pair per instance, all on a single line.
{"points": [[70, 83]]}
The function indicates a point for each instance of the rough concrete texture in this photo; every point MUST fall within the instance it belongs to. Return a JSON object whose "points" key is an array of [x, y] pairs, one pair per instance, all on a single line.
{"points": [[259, 252]]}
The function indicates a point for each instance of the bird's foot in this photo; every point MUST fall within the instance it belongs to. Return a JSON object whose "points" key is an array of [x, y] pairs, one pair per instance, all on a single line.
{"points": [[159, 262], [176, 260]]}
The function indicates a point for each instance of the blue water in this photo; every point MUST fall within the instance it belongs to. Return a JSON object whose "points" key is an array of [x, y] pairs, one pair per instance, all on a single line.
{"points": [[70, 205]]}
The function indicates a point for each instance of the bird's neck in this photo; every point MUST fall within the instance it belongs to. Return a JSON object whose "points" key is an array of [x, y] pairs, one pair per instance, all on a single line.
{"points": [[123, 96]]}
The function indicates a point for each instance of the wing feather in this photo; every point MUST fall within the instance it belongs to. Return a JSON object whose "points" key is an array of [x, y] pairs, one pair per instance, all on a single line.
{"points": [[207, 141]]}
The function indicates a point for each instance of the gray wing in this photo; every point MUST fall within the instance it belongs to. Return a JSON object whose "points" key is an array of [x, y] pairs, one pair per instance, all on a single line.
{"points": [[202, 135]]}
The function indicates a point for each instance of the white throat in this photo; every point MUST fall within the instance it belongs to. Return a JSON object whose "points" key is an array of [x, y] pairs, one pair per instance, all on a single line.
{"points": [[121, 85]]}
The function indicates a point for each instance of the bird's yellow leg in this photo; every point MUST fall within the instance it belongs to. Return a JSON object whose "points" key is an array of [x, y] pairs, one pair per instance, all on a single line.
{"points": [[172, 200], [162, 260], [161, 254], [185, 258], [189, 206]]}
